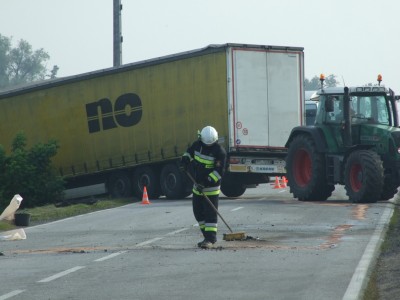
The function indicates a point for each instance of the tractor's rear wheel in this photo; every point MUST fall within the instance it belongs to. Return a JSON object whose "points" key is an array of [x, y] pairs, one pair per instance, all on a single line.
{"points": [[306, 171], [363, 176]]}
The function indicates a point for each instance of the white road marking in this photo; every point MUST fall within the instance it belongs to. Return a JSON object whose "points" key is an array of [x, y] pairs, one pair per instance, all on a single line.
{"points": [[139, 245], [110, 256], [61, 274], [11, 294], [177, 231], [237, 208], [359, 277], [148, 242]]}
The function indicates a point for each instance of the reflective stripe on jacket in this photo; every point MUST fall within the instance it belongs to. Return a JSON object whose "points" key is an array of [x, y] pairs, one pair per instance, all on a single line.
{"points": [[205, 160]]}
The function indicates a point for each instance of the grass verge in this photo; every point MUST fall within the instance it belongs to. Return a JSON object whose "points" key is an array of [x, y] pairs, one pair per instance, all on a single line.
{"points": [[4, 226], [383, 282], [48, 213]]}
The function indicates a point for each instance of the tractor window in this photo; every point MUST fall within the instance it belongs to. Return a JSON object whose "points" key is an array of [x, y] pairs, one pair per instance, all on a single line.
{"points": [[311, 112], [337, 115], [397, 108], [383, 115], [371, 109]]}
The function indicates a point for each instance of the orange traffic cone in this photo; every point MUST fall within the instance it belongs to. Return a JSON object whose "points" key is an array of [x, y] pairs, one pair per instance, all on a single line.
{"points": [[283, 182], [277, 185], [145, 198]]}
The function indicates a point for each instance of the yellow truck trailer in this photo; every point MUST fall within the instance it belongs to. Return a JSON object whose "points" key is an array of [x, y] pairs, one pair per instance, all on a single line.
{"points": [[128, 126]]}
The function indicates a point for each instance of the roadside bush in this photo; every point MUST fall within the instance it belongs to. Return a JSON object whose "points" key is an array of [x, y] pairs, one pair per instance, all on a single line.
{"points": [[29, 172]]}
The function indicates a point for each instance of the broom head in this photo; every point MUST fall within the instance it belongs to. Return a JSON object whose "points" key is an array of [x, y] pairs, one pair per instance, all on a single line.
{"points": [[234, 236]]}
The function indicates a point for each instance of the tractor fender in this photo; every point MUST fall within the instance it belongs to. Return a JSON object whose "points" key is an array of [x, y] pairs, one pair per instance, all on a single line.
{"points": [[316, 134]]}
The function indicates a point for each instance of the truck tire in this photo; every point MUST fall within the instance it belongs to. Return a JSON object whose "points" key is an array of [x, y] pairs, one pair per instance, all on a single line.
{"points": [[119, 185], [172, 182], [305, 169], [231, 189], [363, 176], [146, 176]]}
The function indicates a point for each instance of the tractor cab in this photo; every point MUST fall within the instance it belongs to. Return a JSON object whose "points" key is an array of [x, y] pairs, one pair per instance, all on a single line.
{"points": [[356, 118], [367, 105]]}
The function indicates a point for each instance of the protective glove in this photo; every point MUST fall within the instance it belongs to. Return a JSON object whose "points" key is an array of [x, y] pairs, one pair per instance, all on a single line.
{"points": [[199, 187]]}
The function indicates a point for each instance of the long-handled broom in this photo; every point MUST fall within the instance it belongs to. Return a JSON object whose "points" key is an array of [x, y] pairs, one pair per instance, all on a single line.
{"points": [[227, 236]]}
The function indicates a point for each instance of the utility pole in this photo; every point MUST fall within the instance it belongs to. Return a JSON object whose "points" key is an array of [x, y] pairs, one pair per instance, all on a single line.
{"points": [[117, 33]]}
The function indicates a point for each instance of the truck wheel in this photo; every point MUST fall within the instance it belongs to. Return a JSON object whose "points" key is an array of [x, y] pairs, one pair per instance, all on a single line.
{"points": [[146, 176], [306, 171], [230, 189], [119, 185], [172, 182], [363, 176]]}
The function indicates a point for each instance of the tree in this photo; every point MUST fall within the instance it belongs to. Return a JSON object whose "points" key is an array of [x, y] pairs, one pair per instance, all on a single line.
{"points": [[315, 84], [21, 64], [29, 172]]}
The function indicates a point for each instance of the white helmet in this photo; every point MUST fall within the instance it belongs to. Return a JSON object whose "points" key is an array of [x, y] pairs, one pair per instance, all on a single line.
{"points": [[209, 135]]}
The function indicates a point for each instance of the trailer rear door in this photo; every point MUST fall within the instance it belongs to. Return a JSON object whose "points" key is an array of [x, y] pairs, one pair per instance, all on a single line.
{"points": [[265, 96]]}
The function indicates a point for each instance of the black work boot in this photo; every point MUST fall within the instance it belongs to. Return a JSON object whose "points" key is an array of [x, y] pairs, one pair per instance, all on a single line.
{"points": [[200, 243], [206, 244]]}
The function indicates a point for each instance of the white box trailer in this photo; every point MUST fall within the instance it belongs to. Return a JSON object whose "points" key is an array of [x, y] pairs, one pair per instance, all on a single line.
{"points": [[266, 97], [266, 100]]}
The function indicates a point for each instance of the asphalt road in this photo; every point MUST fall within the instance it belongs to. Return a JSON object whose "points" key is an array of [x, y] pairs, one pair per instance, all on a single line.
{"points": [[295, 250]]}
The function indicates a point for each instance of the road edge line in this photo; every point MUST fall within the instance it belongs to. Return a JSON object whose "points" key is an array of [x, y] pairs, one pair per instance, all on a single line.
{"points": [[359, 279]]}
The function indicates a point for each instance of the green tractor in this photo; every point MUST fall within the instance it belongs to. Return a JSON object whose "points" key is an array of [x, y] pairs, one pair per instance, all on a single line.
{"points": [[355, 142]]}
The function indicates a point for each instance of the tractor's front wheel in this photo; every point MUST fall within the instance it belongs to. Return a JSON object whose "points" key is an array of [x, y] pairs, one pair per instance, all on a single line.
{"points": [[363, 176], [305, 169]]}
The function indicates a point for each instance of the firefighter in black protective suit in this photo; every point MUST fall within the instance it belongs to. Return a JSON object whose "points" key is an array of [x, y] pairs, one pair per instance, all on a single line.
{"points": [[208, 160]]}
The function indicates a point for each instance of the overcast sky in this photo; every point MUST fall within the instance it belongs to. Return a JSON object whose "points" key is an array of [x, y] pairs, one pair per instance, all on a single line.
{"points": [[353, 39]]}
